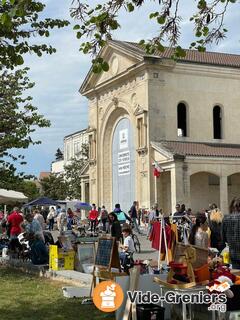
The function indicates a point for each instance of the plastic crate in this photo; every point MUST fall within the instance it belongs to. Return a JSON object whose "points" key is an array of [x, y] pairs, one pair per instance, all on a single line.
{"points": [[150, 312], [60, 259]]}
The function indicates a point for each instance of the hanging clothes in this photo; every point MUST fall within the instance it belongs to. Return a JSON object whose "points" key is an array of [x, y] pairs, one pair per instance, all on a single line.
{"points": [[155, 236]]}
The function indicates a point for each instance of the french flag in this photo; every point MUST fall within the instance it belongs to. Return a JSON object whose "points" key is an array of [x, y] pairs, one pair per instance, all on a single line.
{"points": [[157, 170]]}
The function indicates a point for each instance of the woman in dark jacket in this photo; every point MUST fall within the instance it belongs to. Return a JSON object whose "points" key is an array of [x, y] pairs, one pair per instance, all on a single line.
{"points": [[116, 230], [215, 225]]}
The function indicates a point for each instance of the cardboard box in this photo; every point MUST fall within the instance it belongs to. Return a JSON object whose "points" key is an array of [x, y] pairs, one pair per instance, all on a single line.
{"points": [[60, 259]]}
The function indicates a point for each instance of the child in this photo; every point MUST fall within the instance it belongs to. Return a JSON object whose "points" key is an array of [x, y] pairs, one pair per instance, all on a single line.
{"points": [[126, 256]]}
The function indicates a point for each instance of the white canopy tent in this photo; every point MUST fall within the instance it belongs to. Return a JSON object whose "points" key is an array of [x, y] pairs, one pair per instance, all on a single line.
{"points": [[10, 196]]}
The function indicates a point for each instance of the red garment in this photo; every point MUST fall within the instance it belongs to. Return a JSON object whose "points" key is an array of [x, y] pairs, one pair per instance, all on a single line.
{"points": [[93, 215], [70, 214], [15, 219], [155, 236]]}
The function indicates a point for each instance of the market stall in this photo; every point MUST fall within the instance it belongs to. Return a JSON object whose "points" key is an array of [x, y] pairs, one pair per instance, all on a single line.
{"points": [[11, 197], [42, 201]]}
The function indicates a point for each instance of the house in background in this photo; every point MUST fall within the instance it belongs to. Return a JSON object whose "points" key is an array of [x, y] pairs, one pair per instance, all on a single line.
{"points": [[73, 144]]}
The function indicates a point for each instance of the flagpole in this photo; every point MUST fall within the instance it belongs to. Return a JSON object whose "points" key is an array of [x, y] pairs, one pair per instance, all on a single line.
{"points": [[155, 189]]}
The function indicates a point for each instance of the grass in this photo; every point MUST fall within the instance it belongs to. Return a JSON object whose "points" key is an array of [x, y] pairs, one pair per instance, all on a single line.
{"points": [[24, 297]]}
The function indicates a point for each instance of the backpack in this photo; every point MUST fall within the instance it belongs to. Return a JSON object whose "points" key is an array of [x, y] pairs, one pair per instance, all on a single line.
{"points": [[121, 216]]}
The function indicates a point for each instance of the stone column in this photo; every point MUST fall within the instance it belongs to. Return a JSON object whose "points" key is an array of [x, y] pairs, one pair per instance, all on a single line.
{"points": [[83, 196], [180, 186], [186, 186], [224, 194]]}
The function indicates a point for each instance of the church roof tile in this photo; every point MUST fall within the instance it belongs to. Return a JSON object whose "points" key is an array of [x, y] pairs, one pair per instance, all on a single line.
{"points": [[199, 149], [192, 56]]}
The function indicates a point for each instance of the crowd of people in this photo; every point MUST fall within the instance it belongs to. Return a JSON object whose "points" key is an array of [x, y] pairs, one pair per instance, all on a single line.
{"points": [[208, 228], [26, 230]]}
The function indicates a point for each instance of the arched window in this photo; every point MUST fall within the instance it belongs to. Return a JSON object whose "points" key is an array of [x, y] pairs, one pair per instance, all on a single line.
{"points": [[182, 120], [217, 122]]}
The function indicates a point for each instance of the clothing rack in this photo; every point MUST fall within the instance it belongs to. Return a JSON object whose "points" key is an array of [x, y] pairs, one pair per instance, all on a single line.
{"points": [[162, 232]]}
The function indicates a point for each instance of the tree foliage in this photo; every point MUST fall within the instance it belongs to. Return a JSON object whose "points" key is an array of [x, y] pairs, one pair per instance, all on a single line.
{"points": [[58, 155], [67, 184], [20, 29], [18, 120], [73, 178], [73, 172], [18, 117], [97, 24], [54, 187], [19, 23], [28, 188]]}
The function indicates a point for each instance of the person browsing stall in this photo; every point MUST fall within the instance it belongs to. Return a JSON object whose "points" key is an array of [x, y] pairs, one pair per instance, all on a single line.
{"points": [[38, 216], [115, 226], [93, 216], [231, 232], [199, 235], [127, 247], [122, 216], [50, 217], [34, 233], [154, 215], [15, 220], [133, 214], [104, 217], [33, 227]]}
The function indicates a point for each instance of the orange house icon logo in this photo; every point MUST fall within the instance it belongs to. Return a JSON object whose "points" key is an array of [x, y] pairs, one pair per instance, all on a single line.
{"points": [[108, 296]]}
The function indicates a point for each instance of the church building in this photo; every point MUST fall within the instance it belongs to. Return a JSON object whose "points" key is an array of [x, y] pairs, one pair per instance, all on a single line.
{"points": [[183, 115]]}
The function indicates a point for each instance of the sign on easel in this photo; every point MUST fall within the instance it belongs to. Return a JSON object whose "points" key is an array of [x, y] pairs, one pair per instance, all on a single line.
{"points": [[107, 256]]}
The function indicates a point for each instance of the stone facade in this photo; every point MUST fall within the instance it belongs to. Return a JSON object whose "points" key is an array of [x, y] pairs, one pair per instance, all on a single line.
{"points": [[147, 90], [72, 150]]}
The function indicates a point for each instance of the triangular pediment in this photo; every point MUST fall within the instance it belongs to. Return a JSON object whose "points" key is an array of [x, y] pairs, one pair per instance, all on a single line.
{"points": [[85, 170], [160, 154], [119, 59]]}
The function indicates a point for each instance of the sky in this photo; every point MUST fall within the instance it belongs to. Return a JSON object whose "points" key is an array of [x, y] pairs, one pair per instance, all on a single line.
{"points": [[58, 77]]}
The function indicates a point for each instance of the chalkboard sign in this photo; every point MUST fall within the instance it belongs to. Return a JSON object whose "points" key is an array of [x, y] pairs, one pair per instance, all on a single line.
{"points": [[104, 252]]}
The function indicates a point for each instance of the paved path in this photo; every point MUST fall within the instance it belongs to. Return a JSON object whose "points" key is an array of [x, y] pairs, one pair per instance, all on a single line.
{"points": [[146, 250]]}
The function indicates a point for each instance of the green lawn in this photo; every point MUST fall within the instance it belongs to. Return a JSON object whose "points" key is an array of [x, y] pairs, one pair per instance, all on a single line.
{"points": [[24, 297]]}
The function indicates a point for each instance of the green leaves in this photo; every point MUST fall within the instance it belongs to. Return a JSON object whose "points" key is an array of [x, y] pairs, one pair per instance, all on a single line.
{"points": [[105, 66], [97, 24], [79, 35], [19, 60], [153, 15], [161, 19], [68, 184], [130, 7], [19, 22], [18, 118], [76, 27], [180, 52], [99, 65], [6, 20]]}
